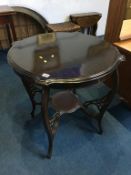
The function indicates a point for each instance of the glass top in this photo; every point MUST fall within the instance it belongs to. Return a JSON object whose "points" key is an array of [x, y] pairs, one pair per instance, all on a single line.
{"points": [[63, 57]]}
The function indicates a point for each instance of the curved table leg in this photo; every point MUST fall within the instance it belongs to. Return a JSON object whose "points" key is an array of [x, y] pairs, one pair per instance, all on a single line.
{"points": [[31, 90], [50, 124], [106, 101], [102, 103], [46, 121]]}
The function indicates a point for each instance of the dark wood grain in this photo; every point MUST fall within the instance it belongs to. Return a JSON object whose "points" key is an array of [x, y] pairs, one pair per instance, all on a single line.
{"points": [[115, 18]]}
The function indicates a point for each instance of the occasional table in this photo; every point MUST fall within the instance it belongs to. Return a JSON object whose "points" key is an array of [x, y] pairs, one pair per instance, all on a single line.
{"points": [[65, 61]]}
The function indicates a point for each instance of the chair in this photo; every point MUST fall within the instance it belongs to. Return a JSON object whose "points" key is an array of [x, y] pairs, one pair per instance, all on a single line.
{"points": [[86, 21]]}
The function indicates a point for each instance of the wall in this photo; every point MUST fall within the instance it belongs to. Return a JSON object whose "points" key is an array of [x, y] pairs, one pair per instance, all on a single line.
{"points": [[59, 10]]}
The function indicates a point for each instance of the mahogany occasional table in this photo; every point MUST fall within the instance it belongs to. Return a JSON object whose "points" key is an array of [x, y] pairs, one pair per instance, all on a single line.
{"points": [[65, 61]]}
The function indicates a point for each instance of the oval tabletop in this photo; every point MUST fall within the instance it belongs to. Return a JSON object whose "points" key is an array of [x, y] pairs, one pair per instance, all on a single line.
{"points": [[63, 57]]}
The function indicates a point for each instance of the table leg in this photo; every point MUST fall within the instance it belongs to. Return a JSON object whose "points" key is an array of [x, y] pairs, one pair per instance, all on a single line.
{"points": [[51, 124], [46, 121], [31, 91], [102, 103]]}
